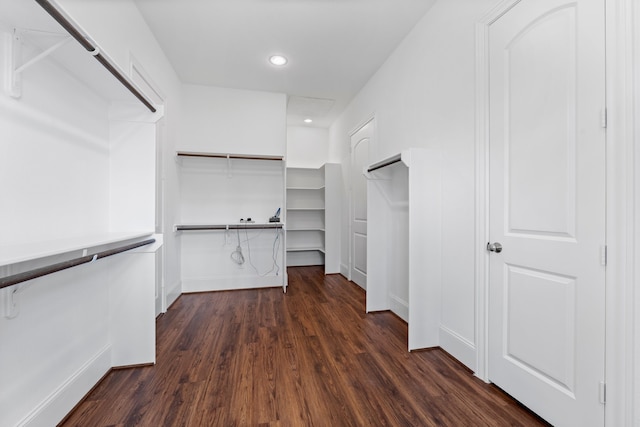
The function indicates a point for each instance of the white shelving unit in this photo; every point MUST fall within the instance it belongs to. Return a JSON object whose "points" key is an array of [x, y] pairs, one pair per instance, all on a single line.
{"points": [[217, 191], [404, 241], [312, 216], [78, 172]]}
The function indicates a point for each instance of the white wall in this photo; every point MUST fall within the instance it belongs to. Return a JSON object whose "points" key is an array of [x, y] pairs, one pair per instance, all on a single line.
{"points": [[423, 96], [307, 147], [232, 121], [50, 154], [132, 190]]}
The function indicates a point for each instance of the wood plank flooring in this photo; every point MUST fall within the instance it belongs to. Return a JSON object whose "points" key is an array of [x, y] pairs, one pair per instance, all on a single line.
{"points": [[311, 357]]}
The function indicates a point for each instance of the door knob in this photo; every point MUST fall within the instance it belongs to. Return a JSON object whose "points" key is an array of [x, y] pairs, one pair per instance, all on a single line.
{"points": [[494, 247]]}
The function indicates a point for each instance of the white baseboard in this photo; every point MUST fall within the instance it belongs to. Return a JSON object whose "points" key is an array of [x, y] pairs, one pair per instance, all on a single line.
{"points": [[344, 270], [400, 307], [230, 283], [459, 347], [64, 398], [173, 294]]}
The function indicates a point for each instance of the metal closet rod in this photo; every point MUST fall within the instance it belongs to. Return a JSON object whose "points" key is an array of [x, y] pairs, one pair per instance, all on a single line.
{"points": [[387, 162], [53, 268], [76, 34], [227, 156], [248, 226]]}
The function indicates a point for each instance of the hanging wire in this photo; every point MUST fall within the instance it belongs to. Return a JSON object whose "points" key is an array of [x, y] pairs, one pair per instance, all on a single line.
{"points": [[274, 254], [237, 255]]}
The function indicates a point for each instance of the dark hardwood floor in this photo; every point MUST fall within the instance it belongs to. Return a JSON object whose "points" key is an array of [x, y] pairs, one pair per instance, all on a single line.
{"points": [[311, 357]]}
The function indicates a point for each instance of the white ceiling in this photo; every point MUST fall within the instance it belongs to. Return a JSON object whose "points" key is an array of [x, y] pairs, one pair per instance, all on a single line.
{"points": [[333, 46]]}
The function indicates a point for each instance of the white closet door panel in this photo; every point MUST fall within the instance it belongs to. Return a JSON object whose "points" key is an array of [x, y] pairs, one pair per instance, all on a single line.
{"points": [[547, 208]]}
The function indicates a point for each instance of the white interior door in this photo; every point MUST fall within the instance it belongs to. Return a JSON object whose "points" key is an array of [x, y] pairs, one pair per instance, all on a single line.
{"points": [[547, 208], [360, 142]]}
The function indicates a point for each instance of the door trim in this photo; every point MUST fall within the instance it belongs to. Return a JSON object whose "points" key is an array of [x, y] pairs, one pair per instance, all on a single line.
{"points": [[623, 211], [633, 141], [622, 330]]}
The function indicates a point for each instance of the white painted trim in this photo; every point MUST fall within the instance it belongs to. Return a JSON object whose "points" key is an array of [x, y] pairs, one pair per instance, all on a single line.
{"points": [[481, 202], [64, 398], [139, 75], [458, 346], [361, 125], [227, 283], [173, 294], [136, 68], [399, 306], [621, 366], [633, 388], [344, 270]]}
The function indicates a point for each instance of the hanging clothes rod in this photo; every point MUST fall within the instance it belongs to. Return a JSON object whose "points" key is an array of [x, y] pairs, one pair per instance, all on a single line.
{"points": [[84, 42], [53, 268], [227, 156], [386, 162], [249, 226]]}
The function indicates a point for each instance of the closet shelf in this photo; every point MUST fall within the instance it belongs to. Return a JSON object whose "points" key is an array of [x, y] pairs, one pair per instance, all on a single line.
{"points": [[306, 188], [409, 285], [35, 273], [306, 229], [22, 252], [309, 249], [305, 209], [217, 190], [235, 226]]}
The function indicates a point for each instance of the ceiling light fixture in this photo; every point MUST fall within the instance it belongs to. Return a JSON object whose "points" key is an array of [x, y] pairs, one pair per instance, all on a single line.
{"points": [[278, 60], [308, 121]]}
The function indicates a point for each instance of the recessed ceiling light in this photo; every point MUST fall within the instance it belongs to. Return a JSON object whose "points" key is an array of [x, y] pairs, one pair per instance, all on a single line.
{"points": [[308, 121], [278, 60]]}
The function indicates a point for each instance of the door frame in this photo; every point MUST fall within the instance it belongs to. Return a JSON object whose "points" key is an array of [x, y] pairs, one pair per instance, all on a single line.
{"points": [[369, 119], [622, 211], [148, 85]]}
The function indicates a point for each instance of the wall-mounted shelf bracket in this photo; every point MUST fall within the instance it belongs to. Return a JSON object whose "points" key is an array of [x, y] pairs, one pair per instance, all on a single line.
{"points": [[11, 300], [14, 65]]}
